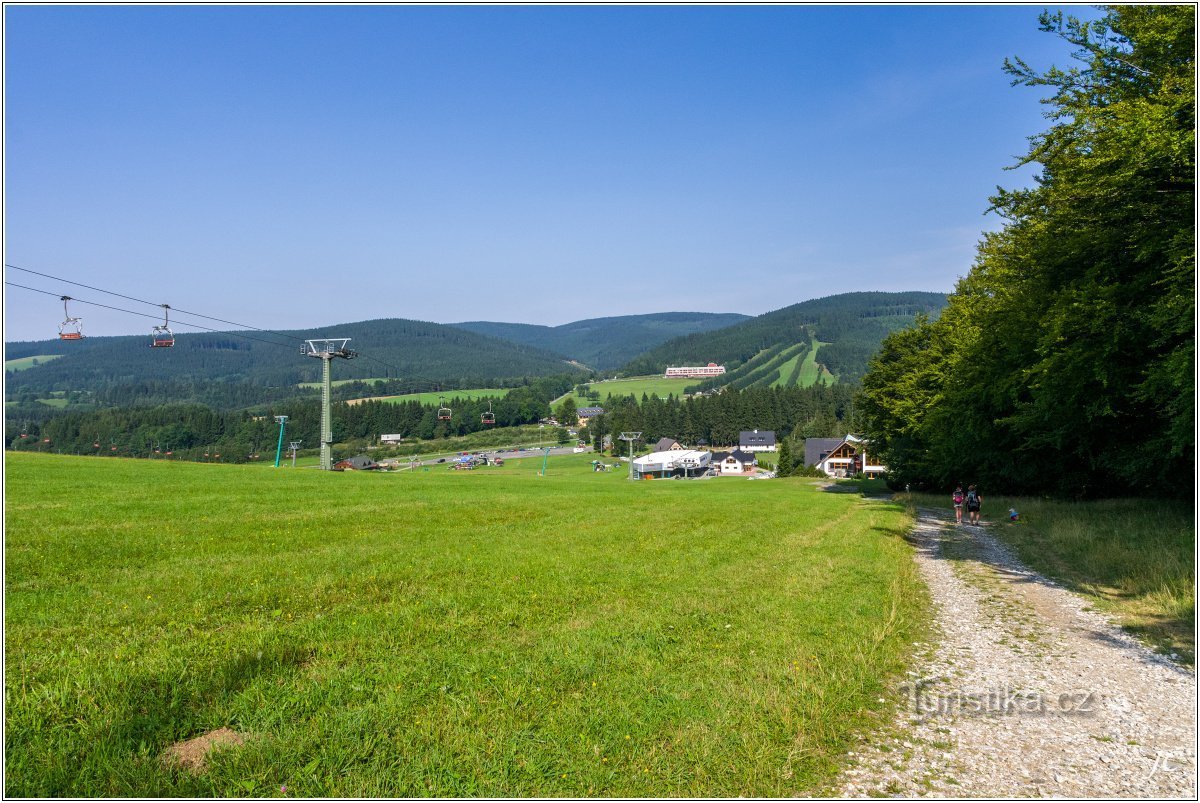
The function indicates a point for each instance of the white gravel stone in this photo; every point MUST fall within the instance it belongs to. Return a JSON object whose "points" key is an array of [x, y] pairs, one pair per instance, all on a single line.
{"points": [[1065, 703]]}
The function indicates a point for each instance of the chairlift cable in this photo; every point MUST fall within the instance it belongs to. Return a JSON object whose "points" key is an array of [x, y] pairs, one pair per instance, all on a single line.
{"points": [[147, 315], [429, 387], [151, 303]]}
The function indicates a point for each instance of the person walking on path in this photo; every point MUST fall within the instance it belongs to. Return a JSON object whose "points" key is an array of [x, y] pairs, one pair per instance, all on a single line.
{"points": [[958, 503], [974, 502]]}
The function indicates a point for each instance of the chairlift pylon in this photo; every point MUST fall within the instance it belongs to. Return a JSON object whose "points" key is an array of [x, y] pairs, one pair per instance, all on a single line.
{"points": [[71, 328], [444, 412], [163, 337]]}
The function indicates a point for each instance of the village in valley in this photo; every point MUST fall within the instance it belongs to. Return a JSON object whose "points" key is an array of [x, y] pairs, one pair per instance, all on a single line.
{"points": [[753, 456]]}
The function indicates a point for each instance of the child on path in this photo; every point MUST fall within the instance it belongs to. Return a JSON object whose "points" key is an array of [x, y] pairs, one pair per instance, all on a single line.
{"points": [[958, 503], [974, 502]]}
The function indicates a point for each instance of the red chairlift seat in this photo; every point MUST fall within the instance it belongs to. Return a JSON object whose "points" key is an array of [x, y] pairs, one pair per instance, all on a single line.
{"points": [[71, 328], [163, 337], [488, 418]]}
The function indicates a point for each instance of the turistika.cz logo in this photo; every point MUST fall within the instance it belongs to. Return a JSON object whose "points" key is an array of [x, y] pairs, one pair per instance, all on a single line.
{"points": [[926, 700]]}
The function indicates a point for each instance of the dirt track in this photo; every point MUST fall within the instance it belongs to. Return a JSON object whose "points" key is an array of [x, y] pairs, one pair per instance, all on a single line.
{"points": [[1026, 692]]}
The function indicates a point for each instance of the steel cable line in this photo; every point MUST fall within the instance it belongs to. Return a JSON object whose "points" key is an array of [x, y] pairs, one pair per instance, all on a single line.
{"points": [[151, 303], [417, 387], [148, 315], [430, 386]]}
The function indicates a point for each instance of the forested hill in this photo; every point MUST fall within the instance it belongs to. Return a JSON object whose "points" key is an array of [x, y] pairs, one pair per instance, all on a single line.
{"points": [[845, 330], [410, 349], [607, 343]]}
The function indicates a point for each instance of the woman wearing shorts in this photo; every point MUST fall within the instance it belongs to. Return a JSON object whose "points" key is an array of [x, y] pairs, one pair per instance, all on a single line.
{"points": [[958, 503]]}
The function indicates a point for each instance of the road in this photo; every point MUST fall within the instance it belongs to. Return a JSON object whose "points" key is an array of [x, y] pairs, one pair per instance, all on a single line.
{"points": [[506, 454]]}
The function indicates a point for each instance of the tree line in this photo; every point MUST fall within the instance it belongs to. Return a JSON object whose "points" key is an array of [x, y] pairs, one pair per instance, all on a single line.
{"points": [[1064, 362], [815, 412], [196, 432]]}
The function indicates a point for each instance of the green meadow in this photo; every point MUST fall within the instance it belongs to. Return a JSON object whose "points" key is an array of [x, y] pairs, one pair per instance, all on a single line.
{"points": [[487, 633], [635, 386], [435, 398], [24, 363], [811, 371]]}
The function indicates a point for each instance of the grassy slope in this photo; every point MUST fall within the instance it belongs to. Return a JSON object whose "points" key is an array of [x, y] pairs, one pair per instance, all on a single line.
{"points": [[24, 363], [812, 371], [635, 385], [1134, 558], [433, 398], [788, 368], [490, 633]]}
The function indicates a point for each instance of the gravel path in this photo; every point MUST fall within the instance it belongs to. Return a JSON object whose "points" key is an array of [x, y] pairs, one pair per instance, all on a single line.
{"points": [[1027, 692]]}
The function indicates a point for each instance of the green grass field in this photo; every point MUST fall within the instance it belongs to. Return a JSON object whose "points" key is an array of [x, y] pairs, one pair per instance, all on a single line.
{"points": [[337, 382], [636, 385], [786, 370], [433, 398], [487, 633], [25, 363], [1134, 558], [811, 372]]}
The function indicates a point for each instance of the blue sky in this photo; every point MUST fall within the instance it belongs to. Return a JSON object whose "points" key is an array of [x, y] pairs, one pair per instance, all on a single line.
{"points": [[290, 167]]}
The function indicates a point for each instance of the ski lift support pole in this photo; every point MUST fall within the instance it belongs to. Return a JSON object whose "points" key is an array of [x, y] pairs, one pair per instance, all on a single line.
{"points": [[325, 350], [282, 419], [631, 437]]}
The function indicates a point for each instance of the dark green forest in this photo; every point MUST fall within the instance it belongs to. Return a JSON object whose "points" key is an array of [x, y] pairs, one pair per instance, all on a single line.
{"points": [[420, 352], [606, 343], [853, 323], [815, 412], [1064, 362]]}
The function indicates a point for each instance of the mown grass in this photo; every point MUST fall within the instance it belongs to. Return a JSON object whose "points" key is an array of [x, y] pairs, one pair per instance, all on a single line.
{"points": [[435, 398], [491, 633], [811, 371], [25, 363], [786, 371], [1134, 558], [634, 386]]}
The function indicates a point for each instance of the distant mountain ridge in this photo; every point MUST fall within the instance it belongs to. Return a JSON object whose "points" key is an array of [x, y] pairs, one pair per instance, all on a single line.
{"points": [[606, 343], [389, 347], [845, 330]]}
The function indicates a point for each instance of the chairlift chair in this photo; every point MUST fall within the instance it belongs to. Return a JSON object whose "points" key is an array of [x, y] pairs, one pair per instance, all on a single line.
{"points": [[71, 328], [444, 412], [489, 417], [163, 337]]}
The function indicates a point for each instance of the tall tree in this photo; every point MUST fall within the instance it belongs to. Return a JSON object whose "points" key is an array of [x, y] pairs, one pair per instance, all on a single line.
{"points": [[1064, 360]]}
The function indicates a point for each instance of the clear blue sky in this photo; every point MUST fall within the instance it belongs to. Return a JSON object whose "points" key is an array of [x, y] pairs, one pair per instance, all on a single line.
{"points": [[303, 166]]}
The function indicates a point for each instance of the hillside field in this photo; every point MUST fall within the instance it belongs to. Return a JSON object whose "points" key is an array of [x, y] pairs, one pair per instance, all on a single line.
{"points": [[433, 398], [491, 633], [635, 385], [24, 363]]}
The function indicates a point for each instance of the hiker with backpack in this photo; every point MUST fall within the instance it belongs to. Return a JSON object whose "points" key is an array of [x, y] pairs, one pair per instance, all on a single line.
{"points": [[957, 497], [974, 502]]}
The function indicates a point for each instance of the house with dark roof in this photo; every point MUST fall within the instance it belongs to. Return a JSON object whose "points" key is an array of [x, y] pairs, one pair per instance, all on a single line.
{"points": [[667, 445], [841, 457], [735, 462], [757, 441], [586, 413], [357, 463]]}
